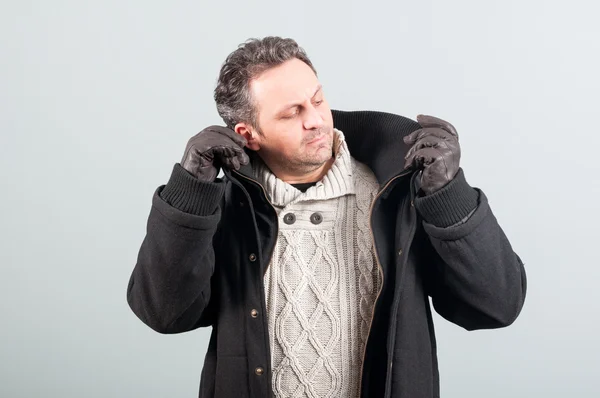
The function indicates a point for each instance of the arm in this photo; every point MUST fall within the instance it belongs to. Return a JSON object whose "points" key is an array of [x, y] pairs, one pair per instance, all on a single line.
{"points": [[170, 287], [474, 277]]}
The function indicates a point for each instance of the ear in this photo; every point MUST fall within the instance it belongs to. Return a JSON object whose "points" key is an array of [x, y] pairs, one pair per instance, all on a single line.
{"points": [[250, 134]]}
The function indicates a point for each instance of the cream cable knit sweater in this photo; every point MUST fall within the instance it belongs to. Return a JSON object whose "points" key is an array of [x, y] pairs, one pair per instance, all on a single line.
{"points": [[323, 278]]}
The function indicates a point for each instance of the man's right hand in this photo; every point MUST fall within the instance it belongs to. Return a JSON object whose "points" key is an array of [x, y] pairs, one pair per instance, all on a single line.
{"points": [[214, 147]]}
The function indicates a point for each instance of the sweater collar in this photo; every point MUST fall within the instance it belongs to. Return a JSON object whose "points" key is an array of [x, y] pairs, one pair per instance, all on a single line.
{"points": [[335, 183]]}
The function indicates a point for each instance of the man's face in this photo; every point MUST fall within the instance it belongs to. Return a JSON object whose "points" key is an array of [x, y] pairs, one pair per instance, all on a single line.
{"points": [[294, 119]]}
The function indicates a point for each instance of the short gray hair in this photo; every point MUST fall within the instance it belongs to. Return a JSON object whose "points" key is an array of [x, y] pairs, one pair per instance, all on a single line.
{"points": [[249, 60]]}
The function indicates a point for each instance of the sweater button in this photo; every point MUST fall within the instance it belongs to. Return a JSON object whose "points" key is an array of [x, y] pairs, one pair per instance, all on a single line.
{"points": [[259, 371], [253, 313], [252, 257], [289, 218], [400, 252], [316, 218]]}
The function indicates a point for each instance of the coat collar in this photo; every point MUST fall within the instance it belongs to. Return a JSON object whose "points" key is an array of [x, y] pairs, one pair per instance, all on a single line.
{"points": [[373, 138]]}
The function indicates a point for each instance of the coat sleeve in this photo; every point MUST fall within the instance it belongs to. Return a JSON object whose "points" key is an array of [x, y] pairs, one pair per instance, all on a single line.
{"points": [[474, 277], [170, 286]]}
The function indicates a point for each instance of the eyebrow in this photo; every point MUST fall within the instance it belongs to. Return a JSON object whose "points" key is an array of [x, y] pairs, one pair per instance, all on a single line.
{"points": [[291, 105]]}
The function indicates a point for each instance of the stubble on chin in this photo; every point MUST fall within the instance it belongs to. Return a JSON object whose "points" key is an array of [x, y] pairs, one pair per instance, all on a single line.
{"points": [[313, 156]]}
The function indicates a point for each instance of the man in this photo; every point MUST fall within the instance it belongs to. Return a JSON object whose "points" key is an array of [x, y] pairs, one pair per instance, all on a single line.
{"points": [[315, 255]]}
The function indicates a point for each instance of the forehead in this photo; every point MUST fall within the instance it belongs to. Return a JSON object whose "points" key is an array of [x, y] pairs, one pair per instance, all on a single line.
{"points": [[292, 81]]}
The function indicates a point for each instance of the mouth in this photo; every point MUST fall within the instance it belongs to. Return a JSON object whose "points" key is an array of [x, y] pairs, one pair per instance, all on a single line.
{"points": [[318, 139]]}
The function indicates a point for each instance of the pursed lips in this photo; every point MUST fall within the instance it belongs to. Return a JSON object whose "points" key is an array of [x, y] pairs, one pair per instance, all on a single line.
{"points": [[319, 138]]}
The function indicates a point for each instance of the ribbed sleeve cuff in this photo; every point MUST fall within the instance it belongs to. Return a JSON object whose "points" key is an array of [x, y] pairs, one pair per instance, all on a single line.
{"points": [[190, 195], [450, 204]]}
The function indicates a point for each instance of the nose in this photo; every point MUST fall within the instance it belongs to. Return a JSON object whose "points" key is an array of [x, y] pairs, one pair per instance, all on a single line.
{"points": [[313, 119]]}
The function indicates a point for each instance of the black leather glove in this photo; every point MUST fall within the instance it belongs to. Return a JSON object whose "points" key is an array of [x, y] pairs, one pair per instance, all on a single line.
{"points": [[435, 151], [214, 147]]}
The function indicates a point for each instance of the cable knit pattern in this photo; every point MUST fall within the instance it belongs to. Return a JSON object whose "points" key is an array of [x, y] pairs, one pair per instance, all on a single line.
{"points": [[323, 279], [365, 261]]}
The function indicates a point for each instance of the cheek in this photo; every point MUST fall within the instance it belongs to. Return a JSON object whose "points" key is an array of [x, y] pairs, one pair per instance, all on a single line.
{"points": [[293, 143], [286, 143]]}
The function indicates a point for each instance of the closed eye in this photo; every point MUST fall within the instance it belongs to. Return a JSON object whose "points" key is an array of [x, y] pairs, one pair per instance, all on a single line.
{"points": [[290, 116]]}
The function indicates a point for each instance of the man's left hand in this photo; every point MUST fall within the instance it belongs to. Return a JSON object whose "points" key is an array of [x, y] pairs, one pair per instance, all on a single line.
{"points": [[435, 151]]}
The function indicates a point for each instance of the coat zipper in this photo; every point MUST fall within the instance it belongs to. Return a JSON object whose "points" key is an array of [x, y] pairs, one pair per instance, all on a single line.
{"points": [[395, 302], [380, 269]]}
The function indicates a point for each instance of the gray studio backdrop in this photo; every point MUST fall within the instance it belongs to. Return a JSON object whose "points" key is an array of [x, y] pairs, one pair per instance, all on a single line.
{"points": [[98, 99]]}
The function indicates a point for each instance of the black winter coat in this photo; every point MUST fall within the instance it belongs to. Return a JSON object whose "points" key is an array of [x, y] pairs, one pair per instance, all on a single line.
{"points": [[208, 245]]}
